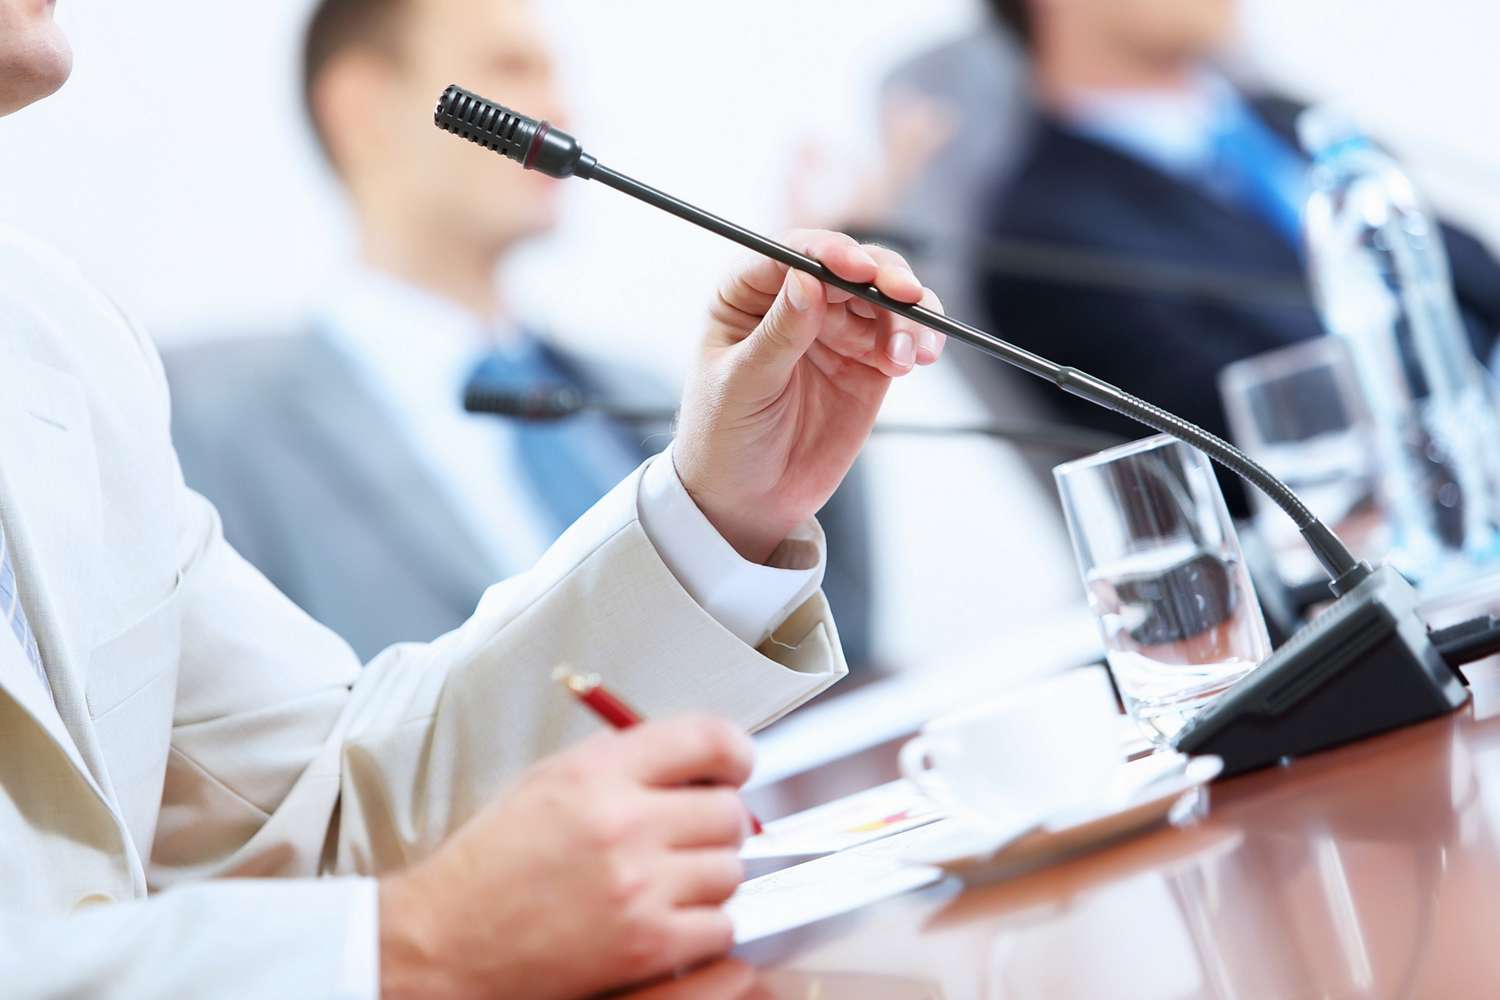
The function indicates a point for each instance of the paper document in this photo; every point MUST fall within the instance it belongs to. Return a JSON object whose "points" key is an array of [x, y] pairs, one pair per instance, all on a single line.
{"points": [[827, 887], [849, 822]]}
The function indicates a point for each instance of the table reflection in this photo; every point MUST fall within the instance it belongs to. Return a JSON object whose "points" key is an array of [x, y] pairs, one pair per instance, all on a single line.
{"points": [[1347, 890], [1367, 871]]}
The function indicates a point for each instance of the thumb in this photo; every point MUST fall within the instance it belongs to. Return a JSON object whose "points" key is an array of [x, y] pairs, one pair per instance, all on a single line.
{"points": [[789, 328]]}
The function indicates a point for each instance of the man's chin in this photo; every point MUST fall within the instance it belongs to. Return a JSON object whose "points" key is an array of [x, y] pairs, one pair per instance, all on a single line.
{"points": [[37, 69], [63, 66]]}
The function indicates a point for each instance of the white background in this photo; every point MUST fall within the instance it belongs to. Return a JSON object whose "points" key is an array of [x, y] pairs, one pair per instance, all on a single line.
{"points": [[176, 167]]}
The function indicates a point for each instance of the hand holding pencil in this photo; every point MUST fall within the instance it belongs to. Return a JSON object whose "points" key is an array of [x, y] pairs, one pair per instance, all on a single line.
{"points": [[591, 692], [605, 865]]}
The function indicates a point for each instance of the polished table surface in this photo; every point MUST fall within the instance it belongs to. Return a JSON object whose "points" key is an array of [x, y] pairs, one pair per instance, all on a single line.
{"points": [[1367, 871], [1372, 870]]}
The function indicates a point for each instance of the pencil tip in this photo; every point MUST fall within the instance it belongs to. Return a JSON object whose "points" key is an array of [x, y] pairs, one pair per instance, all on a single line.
{"points": [[578, 684]]}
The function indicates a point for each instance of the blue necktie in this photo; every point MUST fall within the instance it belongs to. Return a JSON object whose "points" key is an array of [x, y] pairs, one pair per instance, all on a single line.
{"points": [[1256, 169], [14, 614], [568, 464]]}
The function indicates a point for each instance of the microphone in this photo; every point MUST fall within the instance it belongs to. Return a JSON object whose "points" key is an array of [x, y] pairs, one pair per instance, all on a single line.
{"points": [[543, 403], [548, 403], [1368, 664], [535, 145], [538, 146]]}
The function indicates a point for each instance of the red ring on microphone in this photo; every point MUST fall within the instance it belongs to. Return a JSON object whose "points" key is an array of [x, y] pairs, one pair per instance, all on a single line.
{"points": [[536, 145]]}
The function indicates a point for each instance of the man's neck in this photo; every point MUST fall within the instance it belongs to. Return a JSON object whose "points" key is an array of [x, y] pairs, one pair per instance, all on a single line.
{"points": [[1066, 73], [466, 280]]}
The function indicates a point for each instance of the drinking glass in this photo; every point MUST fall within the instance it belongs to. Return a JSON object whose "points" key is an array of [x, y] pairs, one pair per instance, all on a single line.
{"points": [[1299, 412], [1165, 578]]}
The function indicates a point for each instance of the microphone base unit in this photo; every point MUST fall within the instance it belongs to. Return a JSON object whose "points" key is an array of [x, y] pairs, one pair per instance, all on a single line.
{"points": [[1366, 665]]}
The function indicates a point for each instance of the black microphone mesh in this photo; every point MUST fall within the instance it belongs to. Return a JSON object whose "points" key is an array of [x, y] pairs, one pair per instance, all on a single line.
{"points": [[471, 117]]}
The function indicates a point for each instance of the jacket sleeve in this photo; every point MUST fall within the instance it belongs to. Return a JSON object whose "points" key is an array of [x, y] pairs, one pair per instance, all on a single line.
{"points": [[288, 759], [242, 938], [289, 762]]}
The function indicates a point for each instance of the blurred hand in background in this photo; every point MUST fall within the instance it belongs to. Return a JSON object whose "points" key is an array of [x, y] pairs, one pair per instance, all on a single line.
{"points": [[825, 190]]}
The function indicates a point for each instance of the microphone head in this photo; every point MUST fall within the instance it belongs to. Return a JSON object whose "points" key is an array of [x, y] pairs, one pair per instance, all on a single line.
{"points": [[535, 145], [539, 403]]}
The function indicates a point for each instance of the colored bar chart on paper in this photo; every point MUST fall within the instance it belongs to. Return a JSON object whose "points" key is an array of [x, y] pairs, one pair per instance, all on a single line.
{"points": [[849, 822]]}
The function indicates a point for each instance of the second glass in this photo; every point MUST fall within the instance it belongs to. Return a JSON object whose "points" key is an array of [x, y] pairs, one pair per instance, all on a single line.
{"points": [[1299, 412], [1165, 577]]}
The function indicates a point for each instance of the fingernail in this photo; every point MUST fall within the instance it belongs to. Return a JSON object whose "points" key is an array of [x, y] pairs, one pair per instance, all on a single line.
{"points": [[927, 341], [797, 291], [903, 349]]}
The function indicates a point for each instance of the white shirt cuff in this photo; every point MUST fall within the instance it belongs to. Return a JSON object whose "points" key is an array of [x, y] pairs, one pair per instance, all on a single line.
{"points": [[361, 979], [748, 599]]}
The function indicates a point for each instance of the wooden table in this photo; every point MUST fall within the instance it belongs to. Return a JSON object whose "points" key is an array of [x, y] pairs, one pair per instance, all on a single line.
{"points": [[1367, 871]]}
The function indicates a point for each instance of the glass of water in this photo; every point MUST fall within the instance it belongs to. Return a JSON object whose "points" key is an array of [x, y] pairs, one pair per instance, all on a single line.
{"points": [[1165, 577], [1299, 412]]}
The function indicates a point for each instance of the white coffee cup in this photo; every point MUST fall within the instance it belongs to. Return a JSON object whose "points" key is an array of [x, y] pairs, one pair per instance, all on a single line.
{"points": [[1011, 763]]}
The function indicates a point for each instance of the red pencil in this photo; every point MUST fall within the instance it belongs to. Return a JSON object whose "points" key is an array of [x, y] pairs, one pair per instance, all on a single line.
{"points": [[593, 694]]}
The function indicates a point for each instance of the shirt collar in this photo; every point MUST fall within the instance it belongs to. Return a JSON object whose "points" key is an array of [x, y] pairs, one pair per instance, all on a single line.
{"points": [[418, 348], [1173, 130]]}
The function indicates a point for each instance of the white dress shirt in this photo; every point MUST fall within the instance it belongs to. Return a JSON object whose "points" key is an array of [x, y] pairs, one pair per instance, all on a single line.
{"points": [[1173, 130], [417, 351], [1176, 131]]}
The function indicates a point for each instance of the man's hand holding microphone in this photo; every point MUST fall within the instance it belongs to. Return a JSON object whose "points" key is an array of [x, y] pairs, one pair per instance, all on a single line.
{"points": [[607, 865]]}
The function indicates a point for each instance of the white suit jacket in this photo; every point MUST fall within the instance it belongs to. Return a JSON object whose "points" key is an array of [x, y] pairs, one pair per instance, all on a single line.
{"points": [[212, 749]]}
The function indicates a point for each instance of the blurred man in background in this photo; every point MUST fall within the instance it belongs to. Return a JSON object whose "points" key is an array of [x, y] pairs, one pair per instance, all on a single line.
{"points": [[1148, 171], [954, 115], [364, 464], [978, 83]]}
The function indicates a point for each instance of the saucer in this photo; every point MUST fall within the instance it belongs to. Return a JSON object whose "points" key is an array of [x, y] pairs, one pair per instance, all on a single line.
{"points": [[1146, 793]]}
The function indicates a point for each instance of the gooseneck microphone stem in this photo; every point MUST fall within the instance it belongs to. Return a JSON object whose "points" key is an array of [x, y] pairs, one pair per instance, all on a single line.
{"points": [[550, 404], [538, 146]]}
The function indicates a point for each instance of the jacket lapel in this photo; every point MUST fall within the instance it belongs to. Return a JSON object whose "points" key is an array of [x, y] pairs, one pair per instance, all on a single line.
{"points": [[50, 503], [1240, 238], [349, 433]]}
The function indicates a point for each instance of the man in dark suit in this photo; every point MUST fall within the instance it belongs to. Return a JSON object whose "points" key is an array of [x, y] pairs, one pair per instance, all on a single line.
{"points": [[343, 453], [1162, 209]]}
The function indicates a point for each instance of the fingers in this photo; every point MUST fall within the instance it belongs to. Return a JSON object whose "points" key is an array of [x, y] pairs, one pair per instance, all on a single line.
{"points": [[903, 344], [700, 817], [891, 273], [702, 878], [894, 352], [895, 276], [696, 935], [792, 305], [778, 343], [930, 343], [686, 751], [845, 258], [754, 286]]}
